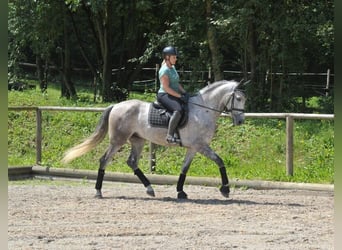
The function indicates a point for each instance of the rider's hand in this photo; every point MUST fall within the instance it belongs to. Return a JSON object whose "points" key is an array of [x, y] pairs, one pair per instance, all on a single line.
{"points": [[185, 97]]}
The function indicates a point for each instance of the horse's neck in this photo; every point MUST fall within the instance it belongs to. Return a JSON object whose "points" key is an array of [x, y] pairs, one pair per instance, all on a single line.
{"points": [[217, 96]]}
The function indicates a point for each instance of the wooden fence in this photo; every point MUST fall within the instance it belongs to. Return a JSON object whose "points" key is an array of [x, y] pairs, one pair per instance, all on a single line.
{"points": [[290, 117]]}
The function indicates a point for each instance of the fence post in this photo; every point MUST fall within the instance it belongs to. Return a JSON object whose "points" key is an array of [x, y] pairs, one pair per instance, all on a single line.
{"points": [[209, 76], [38, 136], [152, 153], [156, 78], [328, 82], [289, 145]]}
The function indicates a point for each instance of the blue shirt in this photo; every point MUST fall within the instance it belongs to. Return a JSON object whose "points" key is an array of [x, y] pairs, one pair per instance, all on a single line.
{"points": [[173, 78]]}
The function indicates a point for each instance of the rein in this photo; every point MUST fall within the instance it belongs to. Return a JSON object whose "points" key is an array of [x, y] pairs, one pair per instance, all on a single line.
{"points": [[225, 110], [206, 107]]}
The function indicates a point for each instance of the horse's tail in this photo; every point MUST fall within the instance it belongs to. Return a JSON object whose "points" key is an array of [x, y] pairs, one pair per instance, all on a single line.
{"points": [[91, 142]]}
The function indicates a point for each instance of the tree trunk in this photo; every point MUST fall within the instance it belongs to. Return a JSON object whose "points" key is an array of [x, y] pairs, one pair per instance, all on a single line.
{"points": [[216, 58], [103, 22], [107, 71], [252, 49], [40, 74], [256, 86], [67, 89], [91, 66]]}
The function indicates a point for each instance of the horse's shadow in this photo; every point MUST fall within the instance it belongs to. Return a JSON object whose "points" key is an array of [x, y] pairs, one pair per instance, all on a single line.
{"points": [[228, 201]]}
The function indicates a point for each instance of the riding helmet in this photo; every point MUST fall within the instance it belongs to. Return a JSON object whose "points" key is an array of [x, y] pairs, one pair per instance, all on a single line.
{"points": [[169, 50]]}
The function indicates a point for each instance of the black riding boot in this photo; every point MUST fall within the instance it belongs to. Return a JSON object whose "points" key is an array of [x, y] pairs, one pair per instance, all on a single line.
{"points": [[174, 120]]}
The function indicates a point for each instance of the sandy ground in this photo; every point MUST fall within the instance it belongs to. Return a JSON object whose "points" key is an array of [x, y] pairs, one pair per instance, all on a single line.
{"points": [[66, 216]]}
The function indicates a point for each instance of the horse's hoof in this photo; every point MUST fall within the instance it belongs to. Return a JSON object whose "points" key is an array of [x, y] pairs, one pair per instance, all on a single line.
{"points": [[182, 195], [225, 191], [150, 191], [98, 194]]}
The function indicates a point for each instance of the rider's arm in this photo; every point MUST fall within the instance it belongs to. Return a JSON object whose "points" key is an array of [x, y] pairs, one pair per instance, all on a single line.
{"points": [[181, 89]]}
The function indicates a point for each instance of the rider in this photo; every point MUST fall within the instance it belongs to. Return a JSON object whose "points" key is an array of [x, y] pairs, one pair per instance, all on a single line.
{"points": [[171, 93]]}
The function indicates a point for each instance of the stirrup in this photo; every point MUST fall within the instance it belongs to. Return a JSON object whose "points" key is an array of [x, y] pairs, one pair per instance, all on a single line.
{"points": [[172, 140]]}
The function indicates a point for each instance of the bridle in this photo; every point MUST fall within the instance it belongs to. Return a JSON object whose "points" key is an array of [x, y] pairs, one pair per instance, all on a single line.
{"points": [[225, 109], [232, 108]]}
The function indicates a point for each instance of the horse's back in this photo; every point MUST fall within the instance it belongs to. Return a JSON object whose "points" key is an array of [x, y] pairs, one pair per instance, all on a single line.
{"points": [[133, 105], [130, 112]]}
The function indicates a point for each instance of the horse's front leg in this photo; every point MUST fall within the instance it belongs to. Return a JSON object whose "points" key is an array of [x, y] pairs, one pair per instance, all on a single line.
{"points": [[180, 184], [145, 181], [208, 152]]}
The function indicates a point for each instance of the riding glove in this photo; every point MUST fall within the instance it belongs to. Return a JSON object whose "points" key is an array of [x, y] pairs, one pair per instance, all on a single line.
{"points": [[185, 97]]}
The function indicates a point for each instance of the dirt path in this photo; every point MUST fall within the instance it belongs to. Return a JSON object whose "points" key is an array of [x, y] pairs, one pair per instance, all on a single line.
{"points": [[55, 216]]}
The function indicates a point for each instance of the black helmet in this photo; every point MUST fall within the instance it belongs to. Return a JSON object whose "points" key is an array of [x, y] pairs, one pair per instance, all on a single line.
{"points": [[169, 50]]}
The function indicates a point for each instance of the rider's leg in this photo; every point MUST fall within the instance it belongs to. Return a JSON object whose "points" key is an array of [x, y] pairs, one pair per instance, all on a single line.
{"points": [[173, 105], [174, 120]]}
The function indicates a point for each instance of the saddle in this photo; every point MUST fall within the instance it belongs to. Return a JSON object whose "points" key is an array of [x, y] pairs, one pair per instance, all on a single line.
{"points": [[159, 116]]}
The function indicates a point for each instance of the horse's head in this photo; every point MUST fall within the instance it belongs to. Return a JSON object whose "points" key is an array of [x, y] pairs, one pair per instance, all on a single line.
{"points": [[236, 106], [224, 96]]}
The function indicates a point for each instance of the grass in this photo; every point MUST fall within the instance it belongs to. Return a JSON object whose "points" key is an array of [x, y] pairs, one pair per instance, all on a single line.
{"points": [[255, 150]]}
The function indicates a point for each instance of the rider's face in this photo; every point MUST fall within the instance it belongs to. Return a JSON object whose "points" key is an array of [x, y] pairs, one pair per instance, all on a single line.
{"points": [[173, 59]]}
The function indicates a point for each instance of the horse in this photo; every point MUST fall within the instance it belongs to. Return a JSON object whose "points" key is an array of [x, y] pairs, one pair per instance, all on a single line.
{"points": [[127, 121]]}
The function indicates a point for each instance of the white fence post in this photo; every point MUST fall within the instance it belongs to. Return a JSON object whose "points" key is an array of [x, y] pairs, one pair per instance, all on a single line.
{"points": [[38, 136]]}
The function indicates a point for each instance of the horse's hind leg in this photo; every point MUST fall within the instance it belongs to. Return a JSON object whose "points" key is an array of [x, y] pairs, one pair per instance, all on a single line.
{"points": [[133, 159], [104, 160]]}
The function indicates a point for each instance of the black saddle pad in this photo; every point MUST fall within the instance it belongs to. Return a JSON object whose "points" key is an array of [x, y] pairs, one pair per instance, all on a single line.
{"points": [[159, 117]]}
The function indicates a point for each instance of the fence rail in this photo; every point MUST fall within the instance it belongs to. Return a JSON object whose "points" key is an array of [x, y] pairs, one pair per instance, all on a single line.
{"points": [[289, 117]]}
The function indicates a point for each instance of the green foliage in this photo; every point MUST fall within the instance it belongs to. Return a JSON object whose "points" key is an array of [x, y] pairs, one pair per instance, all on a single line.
{"points": [[255, 150], [251, 36], [324, 104]]}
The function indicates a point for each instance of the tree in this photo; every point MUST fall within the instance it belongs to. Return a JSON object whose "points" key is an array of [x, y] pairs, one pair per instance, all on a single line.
{"points": [[216, 57], [68, 88], [106, 18], [276, 37], [39, 27], [266, 40]]}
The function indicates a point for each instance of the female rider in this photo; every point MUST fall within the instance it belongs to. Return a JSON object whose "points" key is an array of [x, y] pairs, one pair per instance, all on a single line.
{"points": [[171, 93]]}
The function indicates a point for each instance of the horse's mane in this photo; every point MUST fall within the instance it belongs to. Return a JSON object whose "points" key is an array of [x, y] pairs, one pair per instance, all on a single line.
{"points": [[213, 86]]}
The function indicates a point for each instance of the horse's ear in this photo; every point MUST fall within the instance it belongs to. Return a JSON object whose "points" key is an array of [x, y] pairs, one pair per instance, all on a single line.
{"points": [[246, 82], [243, 83]]}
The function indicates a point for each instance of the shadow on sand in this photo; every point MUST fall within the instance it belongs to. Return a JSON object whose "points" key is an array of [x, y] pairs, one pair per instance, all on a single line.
{"points": [[227, 201]]}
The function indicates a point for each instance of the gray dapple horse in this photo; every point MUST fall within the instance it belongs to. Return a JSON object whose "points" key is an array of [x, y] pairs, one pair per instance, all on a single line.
{"points": [[128, 121]]}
